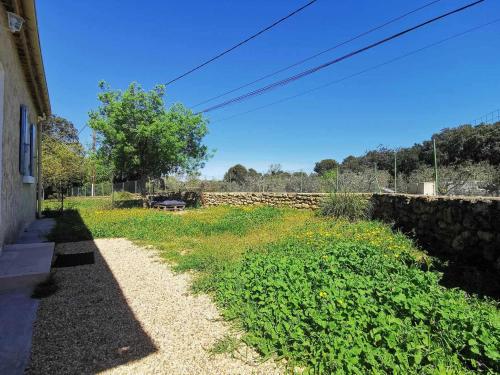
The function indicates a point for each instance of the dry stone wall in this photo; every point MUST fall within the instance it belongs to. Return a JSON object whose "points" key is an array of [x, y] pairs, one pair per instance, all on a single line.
{"points": [[295, 200], [462, 228]]}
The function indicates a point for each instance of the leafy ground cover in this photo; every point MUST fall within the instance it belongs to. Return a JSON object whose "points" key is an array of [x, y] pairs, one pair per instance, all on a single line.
{"points": [[329, 296]]}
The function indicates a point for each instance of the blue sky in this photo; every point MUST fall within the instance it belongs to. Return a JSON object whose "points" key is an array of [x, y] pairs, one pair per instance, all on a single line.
{"points": [[395, 105]]}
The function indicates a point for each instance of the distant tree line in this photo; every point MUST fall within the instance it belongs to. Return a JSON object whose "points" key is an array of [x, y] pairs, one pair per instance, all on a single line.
{"points": [[465, 144], [465, 154], [468, 162]]}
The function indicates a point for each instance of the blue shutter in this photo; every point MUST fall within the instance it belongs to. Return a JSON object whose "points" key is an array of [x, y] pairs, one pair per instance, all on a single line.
{"points": [[32, 149], [22, 138]]}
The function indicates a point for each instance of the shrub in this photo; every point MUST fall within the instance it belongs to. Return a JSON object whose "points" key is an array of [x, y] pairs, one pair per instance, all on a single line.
{"points": [[343, 307], [347, 205], [125, 195]]}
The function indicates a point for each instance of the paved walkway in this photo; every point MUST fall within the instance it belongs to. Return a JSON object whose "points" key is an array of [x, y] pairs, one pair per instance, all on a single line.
{"points": [[22, 266], [130, 314]]}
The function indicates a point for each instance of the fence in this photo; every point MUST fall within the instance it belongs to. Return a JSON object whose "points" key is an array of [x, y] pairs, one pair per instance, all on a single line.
{"points": [[356, 182]]}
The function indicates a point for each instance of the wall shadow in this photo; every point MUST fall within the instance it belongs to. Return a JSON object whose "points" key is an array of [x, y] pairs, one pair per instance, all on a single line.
{"points": [[460, 232], [86, 326], [478, 279], [468, 273]]}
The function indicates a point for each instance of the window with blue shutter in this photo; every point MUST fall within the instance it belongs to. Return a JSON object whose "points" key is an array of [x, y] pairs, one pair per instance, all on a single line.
{"points": [[22, 139], [27, 135], [32, 150]]}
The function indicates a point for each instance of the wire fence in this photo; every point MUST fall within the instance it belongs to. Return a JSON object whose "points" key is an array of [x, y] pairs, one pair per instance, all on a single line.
{"points": [[355, 182], [479, 179]]}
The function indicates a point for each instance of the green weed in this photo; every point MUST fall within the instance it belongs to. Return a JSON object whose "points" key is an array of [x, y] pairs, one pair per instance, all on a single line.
{"points": [[227, 344], [344, 307], [330, 296], [346, 206]]}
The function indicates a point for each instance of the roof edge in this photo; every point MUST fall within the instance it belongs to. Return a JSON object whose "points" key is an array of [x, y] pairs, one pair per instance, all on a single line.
{"points": [[36, 55]]}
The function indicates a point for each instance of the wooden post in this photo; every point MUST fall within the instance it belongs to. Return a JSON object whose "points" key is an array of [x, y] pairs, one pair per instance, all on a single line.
{"points": [[112, 195], [93, 166], [436, 189], [395, 172]]}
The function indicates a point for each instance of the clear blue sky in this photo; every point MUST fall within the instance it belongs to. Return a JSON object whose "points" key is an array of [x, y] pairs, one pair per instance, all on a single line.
{"points": [[396, 105]]}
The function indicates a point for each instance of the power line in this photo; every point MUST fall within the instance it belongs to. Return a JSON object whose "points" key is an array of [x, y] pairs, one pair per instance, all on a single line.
{"points": [[242, 42], [364, 71], [320, 53], [329, 63], [82, 129]]}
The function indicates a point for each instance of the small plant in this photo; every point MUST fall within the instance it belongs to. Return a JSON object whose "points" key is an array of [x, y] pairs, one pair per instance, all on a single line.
{"points": [[347, 205], [226, 344]]}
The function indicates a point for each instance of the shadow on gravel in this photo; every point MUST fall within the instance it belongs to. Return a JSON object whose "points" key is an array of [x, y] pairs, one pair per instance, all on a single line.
{"points": [[86, 326]]}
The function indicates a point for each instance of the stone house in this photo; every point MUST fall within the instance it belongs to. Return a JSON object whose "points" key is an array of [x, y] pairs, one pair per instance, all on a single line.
{"points": [[24, 100]]}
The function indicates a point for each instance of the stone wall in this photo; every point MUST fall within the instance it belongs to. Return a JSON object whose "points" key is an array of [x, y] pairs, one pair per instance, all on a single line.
{"points": [[453, 227], [295, 200]]}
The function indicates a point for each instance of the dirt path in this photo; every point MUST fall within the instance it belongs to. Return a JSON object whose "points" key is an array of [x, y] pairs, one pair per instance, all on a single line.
{"points": [[129, 314]]}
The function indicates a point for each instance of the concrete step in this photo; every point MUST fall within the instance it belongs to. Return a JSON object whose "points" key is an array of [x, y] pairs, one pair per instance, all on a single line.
{"points": [[25, 265], [37, 231]]}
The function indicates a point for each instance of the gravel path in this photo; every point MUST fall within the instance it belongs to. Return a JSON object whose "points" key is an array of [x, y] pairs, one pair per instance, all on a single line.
{"points": [[129, 314]]}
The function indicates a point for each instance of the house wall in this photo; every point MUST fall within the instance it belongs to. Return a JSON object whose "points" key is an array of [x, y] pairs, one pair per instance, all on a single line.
{"points": [[17, 199]]}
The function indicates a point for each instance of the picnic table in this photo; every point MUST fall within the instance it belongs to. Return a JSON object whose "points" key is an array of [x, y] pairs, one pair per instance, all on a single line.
{"points": [[169, 205]]}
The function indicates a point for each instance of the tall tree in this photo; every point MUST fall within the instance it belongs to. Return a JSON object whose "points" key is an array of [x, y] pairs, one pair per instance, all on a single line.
{"points": [[63, 160], [324, 166], [60, 129], [145, 140], [237, 173]]}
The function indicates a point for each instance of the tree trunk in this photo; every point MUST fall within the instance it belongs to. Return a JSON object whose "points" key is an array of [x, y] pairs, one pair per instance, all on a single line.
{"points": [[62, 197], [144, 192]]}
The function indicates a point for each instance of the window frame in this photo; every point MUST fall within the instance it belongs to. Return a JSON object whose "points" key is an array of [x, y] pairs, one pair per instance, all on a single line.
{"points": [[26, 147]]}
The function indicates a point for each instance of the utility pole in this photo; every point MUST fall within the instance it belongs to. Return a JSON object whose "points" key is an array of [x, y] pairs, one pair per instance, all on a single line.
{"points": [[436, 190], [395, 172], [93, 166]]}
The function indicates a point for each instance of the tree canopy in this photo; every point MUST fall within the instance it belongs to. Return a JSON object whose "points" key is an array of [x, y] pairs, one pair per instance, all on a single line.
{"points": [[237, 173], [143, 139], [455, 146], [63, 157], [324, 166]]}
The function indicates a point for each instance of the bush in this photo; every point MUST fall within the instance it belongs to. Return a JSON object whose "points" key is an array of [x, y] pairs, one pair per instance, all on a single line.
{"points": [[347, 205], [343, 307], [124, 195]]}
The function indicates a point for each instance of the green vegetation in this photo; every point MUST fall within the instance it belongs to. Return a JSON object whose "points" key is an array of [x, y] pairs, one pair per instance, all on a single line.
{"points": [[347, 205], [330, 296], [347, 307], [325, 165], [143, 139], [63, 157], [460, 145], [227, 344]]}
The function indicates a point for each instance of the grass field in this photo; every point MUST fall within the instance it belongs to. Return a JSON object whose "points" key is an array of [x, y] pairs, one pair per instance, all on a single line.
{"points": [[330, 296]]}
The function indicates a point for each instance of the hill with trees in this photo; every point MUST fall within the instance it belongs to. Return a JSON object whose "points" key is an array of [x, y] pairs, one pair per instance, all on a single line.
{"points": [[465, 144]]}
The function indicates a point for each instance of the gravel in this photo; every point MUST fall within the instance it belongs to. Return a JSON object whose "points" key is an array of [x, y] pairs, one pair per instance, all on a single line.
{"points": [[130, 314]]}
